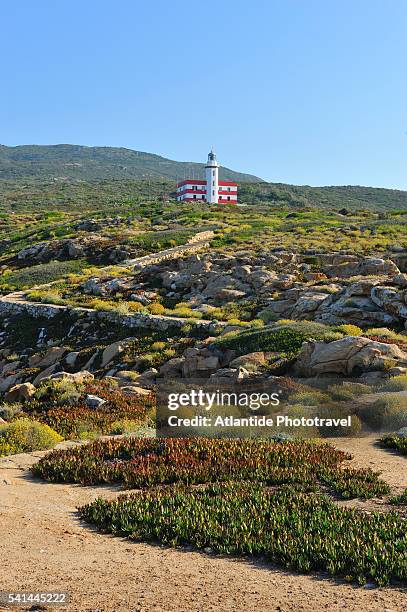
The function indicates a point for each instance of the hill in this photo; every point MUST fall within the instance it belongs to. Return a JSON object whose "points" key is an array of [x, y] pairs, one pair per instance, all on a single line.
{"points": [[92, 163], [352, 197]]}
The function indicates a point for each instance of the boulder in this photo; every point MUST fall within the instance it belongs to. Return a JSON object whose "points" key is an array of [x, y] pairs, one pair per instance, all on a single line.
{"points": [[230, 374], [54, 354], [9, 381], [93, 401], [47, 373], [113, 350], [353, 355], [79, 377], [135, 391], [199, 362], [172, 368], [20, 393], [9, 367], [251, 361]]}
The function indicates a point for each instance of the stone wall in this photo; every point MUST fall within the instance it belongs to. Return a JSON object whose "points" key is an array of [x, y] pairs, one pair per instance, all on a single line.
{"points": [[197, 243], [13, 305]]}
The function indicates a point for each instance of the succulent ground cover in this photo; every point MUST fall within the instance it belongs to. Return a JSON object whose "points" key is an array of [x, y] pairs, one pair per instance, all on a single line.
{"points": [[136, 463], [62, 405], [296, 530], [395, 442]]}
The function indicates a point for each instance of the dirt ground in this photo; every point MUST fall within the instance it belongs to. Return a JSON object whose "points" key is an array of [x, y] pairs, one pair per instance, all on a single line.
{"points": [[44, 547]]}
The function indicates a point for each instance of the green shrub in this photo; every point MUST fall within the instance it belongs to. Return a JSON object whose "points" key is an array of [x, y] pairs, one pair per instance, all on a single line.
{"points": [[25, 436], [386, 414], [123, 426], [398, 383], [350, 330], [60, 392], [156, 308], [336, 411], [309, 398], [9, 411], [347, 391], [279, 338]]}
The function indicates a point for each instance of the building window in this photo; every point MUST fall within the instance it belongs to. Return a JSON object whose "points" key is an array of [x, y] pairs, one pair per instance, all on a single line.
{"points": [[228, 197], [194, 196], [220, 197], [228, 188], [213, 172], [213, 192]]}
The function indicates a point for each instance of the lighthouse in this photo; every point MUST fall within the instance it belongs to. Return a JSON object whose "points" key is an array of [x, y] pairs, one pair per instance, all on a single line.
{"points": [[210, 190], [212, 178]]}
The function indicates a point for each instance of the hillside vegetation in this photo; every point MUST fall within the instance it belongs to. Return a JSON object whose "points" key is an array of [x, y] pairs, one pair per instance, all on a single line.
{"points": [[89, 163]]}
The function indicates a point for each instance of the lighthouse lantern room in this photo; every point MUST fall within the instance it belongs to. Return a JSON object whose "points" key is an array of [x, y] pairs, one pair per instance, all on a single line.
{"points": [[211, 190]]}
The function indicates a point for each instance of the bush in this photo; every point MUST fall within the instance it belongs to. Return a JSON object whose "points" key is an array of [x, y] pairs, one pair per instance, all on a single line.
{"points": [[347, 391], [309, 398], [350, 330], [279, 338], [335, 411], [156, 308], [158, 346], [59, 392], [25, 436], [123, 426], [9, 411], [398, 383], [386, 414]]}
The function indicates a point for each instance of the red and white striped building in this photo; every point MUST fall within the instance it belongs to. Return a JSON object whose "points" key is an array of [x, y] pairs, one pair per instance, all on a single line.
{"points": [[212, 190]]}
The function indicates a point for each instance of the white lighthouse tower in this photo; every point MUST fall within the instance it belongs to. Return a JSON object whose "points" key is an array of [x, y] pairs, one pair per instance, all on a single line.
{"points": [[212, 178]]}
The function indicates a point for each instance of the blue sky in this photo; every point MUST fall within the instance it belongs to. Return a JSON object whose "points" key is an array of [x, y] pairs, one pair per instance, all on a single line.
{"points": [[298, 91]]}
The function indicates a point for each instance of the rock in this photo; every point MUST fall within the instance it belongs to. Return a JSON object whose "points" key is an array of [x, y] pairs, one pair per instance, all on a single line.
{"points": [[172, 368], [32, 251], [75, 249], [11, 366], [70, 358], [113, 350], [54, 354], [390, 300], [79, 377], [147, 378], [400, 280], [250, 361], [135, 391], [315, 276], [9, 381], [230, 295], [94, 286], [20, 393], [350, 265], [45, 374], [199, 362], [93, 401], [230, 374], [348, 356], [307, 303]]}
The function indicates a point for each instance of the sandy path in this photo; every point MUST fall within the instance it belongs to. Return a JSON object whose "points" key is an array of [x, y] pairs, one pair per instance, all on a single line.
{"points": [[44, 547]]}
